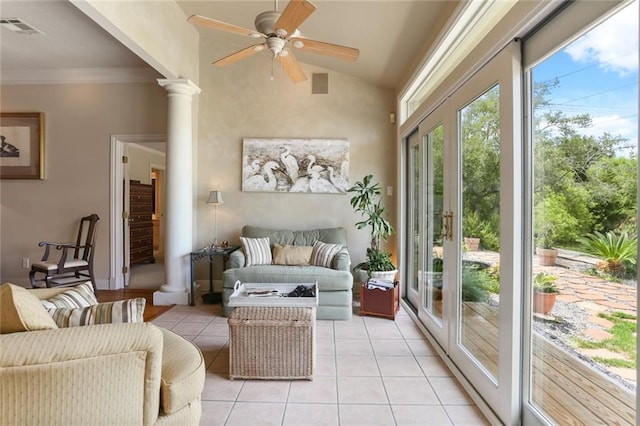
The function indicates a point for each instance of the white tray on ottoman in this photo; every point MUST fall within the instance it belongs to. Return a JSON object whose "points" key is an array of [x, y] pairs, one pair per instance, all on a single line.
{"points": [[242, 295]]}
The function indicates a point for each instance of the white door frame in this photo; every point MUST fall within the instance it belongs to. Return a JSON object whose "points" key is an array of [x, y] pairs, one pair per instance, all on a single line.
{"points": [[119, 174]]}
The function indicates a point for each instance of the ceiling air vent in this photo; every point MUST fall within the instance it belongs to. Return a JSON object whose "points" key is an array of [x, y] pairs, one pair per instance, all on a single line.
{"points": [[18, 26]]}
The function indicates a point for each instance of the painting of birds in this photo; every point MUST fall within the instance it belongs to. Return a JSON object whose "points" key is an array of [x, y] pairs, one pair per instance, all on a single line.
{"points": [[262, 182], [295, 165]]}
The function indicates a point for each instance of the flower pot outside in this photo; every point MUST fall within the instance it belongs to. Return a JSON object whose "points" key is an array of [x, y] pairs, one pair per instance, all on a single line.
{"points": [[547, 257], [543, 302], [472, 244]]}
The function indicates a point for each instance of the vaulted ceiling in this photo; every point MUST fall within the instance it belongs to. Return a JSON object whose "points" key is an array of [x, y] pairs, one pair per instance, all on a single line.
{"points": [[389, 34]]}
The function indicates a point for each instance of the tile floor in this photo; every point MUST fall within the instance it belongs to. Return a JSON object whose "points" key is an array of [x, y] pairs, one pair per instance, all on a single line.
{"points": [[370, 371]]}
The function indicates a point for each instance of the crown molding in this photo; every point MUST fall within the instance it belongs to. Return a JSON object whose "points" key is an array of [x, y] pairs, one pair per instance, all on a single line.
{"points": [[79, 76]]}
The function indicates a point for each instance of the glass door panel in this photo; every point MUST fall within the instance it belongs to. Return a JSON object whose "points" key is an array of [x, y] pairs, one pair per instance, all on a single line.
{"points": [[434, 294], [584, 211], [433, 206], [485, 314], [479, 124], [414, 242]]}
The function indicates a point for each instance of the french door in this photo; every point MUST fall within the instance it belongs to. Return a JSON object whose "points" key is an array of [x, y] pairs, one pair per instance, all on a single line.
{"points": [[464, 166], [426, 185]]}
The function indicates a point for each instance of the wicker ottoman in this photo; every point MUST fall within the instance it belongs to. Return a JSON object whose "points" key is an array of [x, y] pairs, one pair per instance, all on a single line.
{"points": [[270, 342]]}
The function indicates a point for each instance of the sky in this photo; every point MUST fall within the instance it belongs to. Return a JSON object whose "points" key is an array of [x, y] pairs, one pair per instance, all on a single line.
{"points": [[598, 75]]}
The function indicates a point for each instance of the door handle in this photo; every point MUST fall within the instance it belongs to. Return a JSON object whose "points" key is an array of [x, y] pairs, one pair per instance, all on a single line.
{"points": [[448, 225]]}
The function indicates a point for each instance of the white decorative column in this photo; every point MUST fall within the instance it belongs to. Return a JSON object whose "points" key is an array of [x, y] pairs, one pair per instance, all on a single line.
{"points": [[178, 214]]}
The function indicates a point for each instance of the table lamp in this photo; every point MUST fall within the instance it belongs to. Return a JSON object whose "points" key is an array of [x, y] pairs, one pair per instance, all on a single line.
{"points": [[215, 198]]}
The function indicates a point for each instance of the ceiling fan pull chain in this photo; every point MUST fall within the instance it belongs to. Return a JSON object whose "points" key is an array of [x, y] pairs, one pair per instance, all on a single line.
{"points": [[273, 58]]}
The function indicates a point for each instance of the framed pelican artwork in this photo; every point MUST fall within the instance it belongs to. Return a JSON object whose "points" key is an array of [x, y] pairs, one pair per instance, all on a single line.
{"points": [[295, 165]]}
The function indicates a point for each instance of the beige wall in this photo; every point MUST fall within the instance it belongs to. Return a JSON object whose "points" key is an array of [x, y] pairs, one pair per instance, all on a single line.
{"points": [[237, 101], [241, 101], [141, 160], [79, 121]]}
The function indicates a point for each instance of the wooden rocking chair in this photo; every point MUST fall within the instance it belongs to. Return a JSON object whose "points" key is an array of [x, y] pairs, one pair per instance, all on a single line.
{"points": [[76, 260]]}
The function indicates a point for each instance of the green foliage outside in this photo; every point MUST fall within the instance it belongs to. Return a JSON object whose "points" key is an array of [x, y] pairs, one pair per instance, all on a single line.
{"points": [[553, 223], [479, 283], [624, 340], [480, 127], [580, 185], [474, 227]]}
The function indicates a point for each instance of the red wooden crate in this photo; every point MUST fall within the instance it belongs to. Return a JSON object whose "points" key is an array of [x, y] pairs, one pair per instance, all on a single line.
{"points": [[379, 302]]}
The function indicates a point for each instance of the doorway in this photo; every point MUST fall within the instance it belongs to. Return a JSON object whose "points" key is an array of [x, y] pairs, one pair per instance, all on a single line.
{"points": [[138, 158]]}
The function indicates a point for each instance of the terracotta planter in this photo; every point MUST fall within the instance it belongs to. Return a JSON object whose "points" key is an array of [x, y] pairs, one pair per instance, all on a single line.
{"points": [[472, 244], [547, 257], [543, 302]]}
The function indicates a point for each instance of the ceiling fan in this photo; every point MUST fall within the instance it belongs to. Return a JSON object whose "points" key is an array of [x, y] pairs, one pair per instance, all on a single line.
{"points": [[280, 31]]}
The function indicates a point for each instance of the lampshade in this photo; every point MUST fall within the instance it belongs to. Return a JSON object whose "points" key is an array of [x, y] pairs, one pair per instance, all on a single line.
{"points": [[215, 197]]}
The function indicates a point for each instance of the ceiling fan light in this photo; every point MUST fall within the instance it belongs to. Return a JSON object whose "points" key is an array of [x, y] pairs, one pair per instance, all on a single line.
{"points": [[284, 53], [255, 35], [281, 32], [298, 44], [275, 44], [258, 48]]}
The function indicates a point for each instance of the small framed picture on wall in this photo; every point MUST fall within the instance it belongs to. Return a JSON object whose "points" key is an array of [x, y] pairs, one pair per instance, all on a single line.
{"points": [[21, 145]]}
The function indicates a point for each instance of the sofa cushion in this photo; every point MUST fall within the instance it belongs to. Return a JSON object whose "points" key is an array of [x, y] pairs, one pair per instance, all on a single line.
{"points": [[322, 253], [79, 296], [21, 311], [297, 238], [291, 255], [121, 311], [327, 279], [183, 372], [257, 251]]}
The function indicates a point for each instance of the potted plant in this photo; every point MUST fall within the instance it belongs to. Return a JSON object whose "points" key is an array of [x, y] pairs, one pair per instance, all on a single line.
{"points": [[367, 201], [472, 230], [617, 250], [547, 255], [553, 224], [544, 292]]}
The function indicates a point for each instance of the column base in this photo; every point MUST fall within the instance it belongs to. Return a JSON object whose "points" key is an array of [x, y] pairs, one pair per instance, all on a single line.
{"points": [[161, 298]]}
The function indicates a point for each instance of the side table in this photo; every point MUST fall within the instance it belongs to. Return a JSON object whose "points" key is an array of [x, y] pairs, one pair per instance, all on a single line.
{"points": [[209, 254]]}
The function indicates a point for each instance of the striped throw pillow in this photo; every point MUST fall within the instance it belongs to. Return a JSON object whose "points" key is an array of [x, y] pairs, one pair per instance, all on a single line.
{"points": [[130, 310], [322, 253], [79, 296], [257, 251]]}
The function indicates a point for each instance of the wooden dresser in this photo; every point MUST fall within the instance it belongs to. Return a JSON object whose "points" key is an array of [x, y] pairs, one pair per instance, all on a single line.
{"points": [[140, 223]]}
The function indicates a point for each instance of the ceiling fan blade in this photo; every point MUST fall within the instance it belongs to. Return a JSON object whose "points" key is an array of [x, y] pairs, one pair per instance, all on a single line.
{"points": [[293, 15], [324, 48], [241, 54], [292, 67], [219, 25]]}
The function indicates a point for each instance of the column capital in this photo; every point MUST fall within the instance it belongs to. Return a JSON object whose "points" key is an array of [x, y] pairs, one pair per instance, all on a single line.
{"points": [[180, 86]]}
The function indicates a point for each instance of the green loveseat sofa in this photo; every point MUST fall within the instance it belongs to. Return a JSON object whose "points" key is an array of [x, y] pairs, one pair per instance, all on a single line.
{"points": [[335, 284]]}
